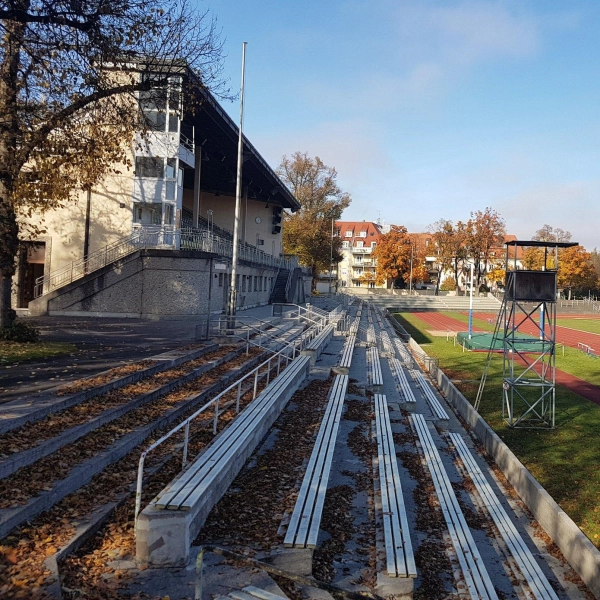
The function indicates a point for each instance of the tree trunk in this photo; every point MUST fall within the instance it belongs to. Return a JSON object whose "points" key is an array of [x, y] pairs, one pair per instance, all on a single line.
{"points": [[10, 164], [9, 242]]}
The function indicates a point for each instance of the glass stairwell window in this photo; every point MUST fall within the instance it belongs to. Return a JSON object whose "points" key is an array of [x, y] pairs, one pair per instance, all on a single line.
{"points": [[162, 106], [171, 176]]}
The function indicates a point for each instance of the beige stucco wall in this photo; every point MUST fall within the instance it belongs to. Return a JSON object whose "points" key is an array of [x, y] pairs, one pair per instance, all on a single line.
{"points": [[109, 221]]}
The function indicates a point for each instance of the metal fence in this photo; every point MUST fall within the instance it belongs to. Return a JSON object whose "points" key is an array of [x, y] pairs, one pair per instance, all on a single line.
{"points": [[158, 237]]}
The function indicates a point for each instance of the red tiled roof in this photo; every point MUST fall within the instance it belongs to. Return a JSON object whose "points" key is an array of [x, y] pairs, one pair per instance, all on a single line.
{"points": [[372, 231]]}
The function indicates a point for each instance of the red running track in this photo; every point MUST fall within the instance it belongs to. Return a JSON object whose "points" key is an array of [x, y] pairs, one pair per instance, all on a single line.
{"points": [[564, 335], [581, 387]]}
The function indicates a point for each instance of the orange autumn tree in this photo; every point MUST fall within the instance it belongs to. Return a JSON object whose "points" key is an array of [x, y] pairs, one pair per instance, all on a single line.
{"points": [[576, 270], [393, 252]]}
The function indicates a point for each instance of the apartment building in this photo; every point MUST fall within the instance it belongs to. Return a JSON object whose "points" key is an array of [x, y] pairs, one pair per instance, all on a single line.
{"points": [[357, 267]]}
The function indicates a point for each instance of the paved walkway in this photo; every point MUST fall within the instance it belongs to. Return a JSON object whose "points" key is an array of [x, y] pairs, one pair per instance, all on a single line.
{"points": [[101, 344]]}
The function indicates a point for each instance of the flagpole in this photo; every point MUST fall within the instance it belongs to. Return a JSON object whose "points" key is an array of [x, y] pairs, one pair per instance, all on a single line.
{"points": [[238, 195]]}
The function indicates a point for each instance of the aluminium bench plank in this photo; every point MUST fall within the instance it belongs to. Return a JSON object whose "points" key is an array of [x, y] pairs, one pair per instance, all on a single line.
{"points": [[434, 403], [403, 384], [347, 351], [399, 551], [537, 581], [306, 517], [477, 578], [175, 496], [374, 367]]}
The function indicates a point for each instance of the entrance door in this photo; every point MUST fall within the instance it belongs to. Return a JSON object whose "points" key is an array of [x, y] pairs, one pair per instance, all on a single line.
{"points": [[33, 257]]}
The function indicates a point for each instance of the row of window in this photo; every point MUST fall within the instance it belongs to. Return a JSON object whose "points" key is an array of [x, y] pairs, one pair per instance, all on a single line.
{"points": [[358, 245], [247, 282]]}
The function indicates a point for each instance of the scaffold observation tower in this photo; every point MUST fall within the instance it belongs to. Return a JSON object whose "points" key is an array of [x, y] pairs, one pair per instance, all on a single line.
{"points": [[526, 332]]}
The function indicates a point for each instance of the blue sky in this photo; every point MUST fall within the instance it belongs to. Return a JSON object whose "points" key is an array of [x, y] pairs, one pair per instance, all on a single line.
{"points": [[430, 109]]}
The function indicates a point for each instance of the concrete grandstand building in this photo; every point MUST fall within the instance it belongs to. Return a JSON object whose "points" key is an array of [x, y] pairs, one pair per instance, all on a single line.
{"points": [[156, 241]]}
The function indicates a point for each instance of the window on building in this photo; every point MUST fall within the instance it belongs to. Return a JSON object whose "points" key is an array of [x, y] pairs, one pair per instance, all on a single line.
{"points": [[149, 166], [349, 233], [221, 279], [243, 283], [162, 105], [237, 283], [373, 244], [345, 244], [358, 258], [359, 244], [169, 210], [362, 234], [147, 213]]}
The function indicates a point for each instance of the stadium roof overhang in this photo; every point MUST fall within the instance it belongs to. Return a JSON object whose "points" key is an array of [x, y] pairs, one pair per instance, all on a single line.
{"points": [[217, 135]]}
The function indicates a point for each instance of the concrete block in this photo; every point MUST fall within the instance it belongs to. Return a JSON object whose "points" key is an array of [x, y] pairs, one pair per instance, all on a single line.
{"points": [[294, 560], [398, 588], [311, 353]]}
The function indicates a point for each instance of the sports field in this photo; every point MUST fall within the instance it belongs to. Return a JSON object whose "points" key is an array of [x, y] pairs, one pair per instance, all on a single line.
{"points": [[565, 460]]}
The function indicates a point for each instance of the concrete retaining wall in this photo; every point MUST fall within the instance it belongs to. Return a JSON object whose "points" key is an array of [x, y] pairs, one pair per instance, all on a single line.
{"points": [[155, 284], [579, 551]]}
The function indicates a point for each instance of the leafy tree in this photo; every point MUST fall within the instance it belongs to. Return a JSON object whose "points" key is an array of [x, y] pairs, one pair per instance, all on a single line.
{"points": [[595, 259], [497, 275], [485, 230], [393, 252], [450, 248], [307, 233], [549, 234], [575, 270], [448, 285], [69, 73]]}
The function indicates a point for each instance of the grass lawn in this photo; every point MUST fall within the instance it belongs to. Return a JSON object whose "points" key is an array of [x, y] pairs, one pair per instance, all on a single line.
{"points": [[569, 360], [589, 325], [566, 460], [13, 352]]}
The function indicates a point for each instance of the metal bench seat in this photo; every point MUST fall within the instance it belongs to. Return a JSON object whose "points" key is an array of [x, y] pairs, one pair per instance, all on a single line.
{"points": [[398, 547], [436, 406], [531, 570], [166, 528], [402, 382], [303, 529], [477, 579], [183, 492], [374, 374]]}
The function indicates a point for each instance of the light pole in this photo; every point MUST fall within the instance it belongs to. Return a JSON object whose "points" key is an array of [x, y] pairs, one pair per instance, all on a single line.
{"points": [[331, 257], [471, 305]]}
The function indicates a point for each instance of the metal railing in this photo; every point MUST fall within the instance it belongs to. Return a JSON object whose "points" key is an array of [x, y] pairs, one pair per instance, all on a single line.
{"points": [[292, 349], [157, 237], [79, 268]]}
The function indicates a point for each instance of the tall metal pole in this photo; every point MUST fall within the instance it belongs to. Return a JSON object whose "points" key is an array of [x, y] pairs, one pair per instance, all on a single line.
{"points": [[411, 265], [471, 305], [238, 193], [331, 258]]}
